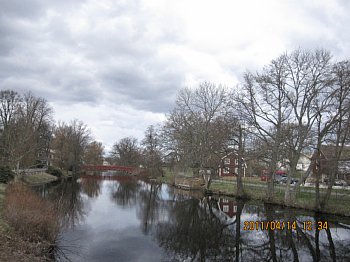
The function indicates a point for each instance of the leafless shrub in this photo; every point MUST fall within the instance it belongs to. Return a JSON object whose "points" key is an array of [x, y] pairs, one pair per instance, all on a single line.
{"points": [[33, 217]]}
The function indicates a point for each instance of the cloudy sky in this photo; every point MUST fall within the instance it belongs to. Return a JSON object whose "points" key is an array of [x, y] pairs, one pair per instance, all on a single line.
{"points": [[117, 65]]}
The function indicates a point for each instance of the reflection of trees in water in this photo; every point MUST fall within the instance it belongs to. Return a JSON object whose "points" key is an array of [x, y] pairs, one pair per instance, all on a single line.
{"points": [[125, 193], [195, 231], [149, 206], [145, 197], [295, 245], [70, 203], [91, 187]]}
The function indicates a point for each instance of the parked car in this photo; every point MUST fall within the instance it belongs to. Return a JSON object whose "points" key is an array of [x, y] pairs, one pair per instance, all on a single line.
{"points": [[293, 181], [279, 178], [339, 182], [278, 175]]}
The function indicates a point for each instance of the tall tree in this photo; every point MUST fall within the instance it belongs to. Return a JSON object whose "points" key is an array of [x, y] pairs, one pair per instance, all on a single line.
{"points": [[69, 144], [307, 80], [283, 103], [200, 125], [151, 153], [9, 108], [126, 152], [332, 127], [94, 153], [26, 128], [263, 105]]}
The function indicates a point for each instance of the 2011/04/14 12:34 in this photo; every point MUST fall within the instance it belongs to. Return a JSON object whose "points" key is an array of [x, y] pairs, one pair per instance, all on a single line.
{"points": [[281, 225]]}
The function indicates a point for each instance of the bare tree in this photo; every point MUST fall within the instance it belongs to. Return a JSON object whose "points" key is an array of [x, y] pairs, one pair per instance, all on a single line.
{"points": [[69, 144], [126, 152], [332, 127], [151, 153], [94, 153], [308, 79], [26, 128], [283, 104], [200, 125], [9, 108], [263, 105]]}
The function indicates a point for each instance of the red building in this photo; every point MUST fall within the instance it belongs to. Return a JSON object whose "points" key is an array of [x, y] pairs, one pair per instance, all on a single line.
{"points": [[228, 207], [229, 165], [326, 162]]}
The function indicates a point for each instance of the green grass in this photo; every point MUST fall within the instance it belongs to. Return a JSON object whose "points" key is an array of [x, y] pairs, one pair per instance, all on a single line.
{"points": [[168, 177], [39, 178], [338, 204], [67, 174]]}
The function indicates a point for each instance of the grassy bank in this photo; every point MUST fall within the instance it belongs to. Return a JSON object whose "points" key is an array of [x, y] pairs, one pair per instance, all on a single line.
{"points": [[255, 189], [28, 225], [167, 178], [338, 202], [39, 178]]}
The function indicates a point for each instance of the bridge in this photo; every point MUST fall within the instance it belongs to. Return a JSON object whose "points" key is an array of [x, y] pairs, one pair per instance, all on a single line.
{"points": [[121, 178], [127, 169]]}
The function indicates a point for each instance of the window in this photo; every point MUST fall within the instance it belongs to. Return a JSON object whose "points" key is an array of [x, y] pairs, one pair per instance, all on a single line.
{"points": [[226, 170], [224, 200], [236, 161], [227, 161], [225, 208]]}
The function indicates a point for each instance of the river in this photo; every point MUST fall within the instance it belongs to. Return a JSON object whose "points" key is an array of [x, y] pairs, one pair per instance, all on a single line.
{"points": [[120, 218]]}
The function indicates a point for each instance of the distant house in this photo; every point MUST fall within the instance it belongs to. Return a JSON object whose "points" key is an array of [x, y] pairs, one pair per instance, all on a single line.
{"points": [[303, 163], [228, 207], [326, 163], [106, 163], [229, 165]]}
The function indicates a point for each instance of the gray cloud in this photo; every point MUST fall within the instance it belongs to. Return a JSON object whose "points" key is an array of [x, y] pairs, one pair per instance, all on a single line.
{"points": [[80, 65], [138, 54]]}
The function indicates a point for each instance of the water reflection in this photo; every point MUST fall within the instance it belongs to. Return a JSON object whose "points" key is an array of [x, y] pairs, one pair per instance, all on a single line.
{"points": [[203, 235], [67, 196], [150, 206], [91, 187], [165, 224], [124, 193]]}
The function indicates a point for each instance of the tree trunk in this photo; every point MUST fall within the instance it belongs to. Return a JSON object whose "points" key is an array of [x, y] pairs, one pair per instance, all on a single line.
{"points": [[331, 179], [271, 233], [317, 191], [240, 190], [289, 194]]}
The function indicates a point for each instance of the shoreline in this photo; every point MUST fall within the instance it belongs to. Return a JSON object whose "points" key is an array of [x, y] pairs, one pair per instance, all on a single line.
{"points": [[306, 208], [330, 210], [13, 245]]}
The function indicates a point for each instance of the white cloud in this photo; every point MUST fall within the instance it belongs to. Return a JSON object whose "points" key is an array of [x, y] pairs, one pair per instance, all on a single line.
{"points": [[117, 65], [108, 122]]}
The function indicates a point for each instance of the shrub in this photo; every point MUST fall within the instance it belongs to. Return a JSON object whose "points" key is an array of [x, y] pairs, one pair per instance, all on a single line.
{"points": [[33, 217], [6, 174], [54, 171]]}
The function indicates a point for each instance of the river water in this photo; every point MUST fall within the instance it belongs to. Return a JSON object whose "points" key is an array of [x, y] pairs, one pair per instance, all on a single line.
{"points": [[120, 218]]}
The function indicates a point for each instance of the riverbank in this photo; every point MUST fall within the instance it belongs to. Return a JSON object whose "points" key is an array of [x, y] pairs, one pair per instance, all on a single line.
{"points": [[39, 179], [12, 247], [16, 243], [338, 203]]}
